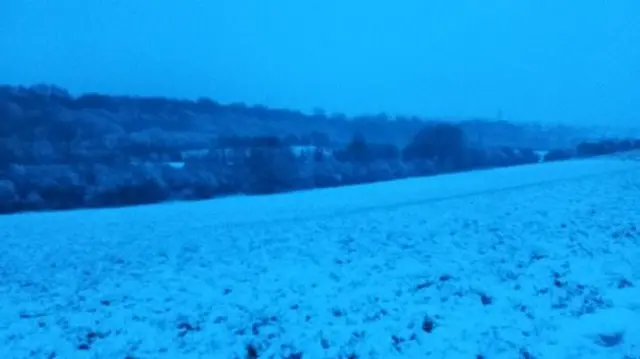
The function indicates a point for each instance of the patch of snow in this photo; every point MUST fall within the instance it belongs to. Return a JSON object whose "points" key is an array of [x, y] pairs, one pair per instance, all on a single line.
{"points": [[541, 155], [534, 261], [176, 164]]}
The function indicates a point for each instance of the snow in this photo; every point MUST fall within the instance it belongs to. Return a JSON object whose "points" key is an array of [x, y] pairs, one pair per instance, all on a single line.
{"points": [[540, 260]]}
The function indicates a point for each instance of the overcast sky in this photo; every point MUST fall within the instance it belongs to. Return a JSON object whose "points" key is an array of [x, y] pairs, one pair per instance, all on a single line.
{"points": [[548, 60]]}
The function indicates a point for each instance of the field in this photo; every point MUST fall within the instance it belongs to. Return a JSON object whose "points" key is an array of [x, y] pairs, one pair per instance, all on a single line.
{"points": [[539, 261]]}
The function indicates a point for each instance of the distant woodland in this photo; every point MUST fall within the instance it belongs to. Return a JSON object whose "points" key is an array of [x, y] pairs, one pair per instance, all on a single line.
{"points": [[59, 151]]}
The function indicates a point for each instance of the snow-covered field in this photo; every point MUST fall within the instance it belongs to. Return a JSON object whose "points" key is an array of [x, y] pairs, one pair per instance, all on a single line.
{"points": [[538, 261]]}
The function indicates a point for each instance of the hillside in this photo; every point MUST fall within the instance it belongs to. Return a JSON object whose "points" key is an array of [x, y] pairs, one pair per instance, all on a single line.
{"points": [[193, 123], [59, 151], [488, 264]]}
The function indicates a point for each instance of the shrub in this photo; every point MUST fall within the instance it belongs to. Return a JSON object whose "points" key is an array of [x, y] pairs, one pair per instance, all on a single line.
{"points": [[557, 155], [445, 144], [8, 197], [270, 170], [589, 149]]}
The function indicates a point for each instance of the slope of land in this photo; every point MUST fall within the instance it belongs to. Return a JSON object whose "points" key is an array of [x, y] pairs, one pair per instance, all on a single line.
{"points": [[193, 123], [59, 151], [532, 262]]}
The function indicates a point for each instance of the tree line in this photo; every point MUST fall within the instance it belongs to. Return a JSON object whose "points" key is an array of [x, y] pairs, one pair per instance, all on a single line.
{"points": [[54, 156]]}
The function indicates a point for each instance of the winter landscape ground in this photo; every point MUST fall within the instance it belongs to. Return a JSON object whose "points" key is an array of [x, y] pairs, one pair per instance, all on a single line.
{"points": [[537, 261]]}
